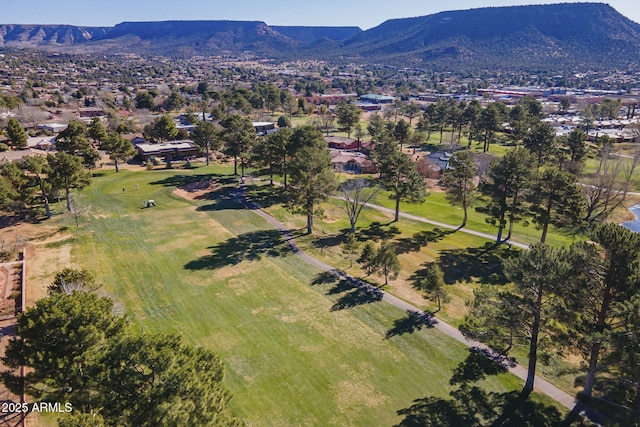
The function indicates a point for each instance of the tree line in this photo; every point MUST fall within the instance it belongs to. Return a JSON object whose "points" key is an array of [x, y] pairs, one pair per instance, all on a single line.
{"points": [[34, 181], [581, 300]]}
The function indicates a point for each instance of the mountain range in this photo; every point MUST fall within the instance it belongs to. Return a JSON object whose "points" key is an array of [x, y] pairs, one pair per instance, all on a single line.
{"points": [[550, 37]]}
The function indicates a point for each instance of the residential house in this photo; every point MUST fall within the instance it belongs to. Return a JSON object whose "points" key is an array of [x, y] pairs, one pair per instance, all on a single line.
{"points": [[167, 151]]}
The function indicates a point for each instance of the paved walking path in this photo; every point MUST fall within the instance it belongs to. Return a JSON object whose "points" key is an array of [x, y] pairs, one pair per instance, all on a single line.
{"points": [[443, 225], [541, 384]]}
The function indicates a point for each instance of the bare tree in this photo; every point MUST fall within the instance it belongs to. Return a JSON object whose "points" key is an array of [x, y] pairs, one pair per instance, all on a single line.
{"points": [[355, 195], [77, 209], [31, 116], [603, 192], [325, 119], [630, 164]]}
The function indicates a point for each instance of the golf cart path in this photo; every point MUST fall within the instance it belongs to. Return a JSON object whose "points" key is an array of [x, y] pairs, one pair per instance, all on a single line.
{"points": [[541, 385], [443, 225]]}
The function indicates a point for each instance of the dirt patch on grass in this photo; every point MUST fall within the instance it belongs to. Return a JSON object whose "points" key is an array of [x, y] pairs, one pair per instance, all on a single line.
{"points": [[42, 263], [357, 395], [196, 190]]}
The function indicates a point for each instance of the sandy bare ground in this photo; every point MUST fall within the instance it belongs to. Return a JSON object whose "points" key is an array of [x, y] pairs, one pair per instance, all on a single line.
{"points": [[196, 190]]}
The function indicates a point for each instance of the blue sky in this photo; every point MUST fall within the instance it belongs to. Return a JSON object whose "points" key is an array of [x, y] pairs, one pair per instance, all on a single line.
{"points": [[362, 13]]}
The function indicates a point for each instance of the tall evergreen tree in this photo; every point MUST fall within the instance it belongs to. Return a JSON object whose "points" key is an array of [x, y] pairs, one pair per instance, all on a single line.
{"points": [[73, 140], [347, 116], [400, 177], [555, 198], [431, 282], [574, 150], [606, 274], [38, 168], [207, 137], [239, 137], [386, 262], [539, 140], [97, 132], [458, 182], [118, 148], [16, 134], [490, 119], [311, 177], [471, 117], [66, 173], [504, 186], [402, 132], [161, 129], [528, 312]]}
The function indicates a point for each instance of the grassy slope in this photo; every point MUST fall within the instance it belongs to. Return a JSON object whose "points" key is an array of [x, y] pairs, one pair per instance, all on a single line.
{"points": [[466, 260], [213, 273]]}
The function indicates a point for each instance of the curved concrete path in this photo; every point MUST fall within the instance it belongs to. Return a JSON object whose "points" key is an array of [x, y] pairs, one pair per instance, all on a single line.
{"points": [[541, 385], [441, 224]]}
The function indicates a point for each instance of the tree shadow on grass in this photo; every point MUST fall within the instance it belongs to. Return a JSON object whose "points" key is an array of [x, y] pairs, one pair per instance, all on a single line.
{"points": [[483, 264], [470, 405], [266, 196], [478, 364], [607, 399], [222, 198], [325, 278], [473, 406], [328, 241], [354, 297], [245, 247], [375, 231], [181, 180], [413, 321], [353, 292], [420, 240]]}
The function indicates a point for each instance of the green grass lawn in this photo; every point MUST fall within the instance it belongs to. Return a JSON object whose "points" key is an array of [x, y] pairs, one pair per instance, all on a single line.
{"points": [[466, 260], [295, 353], [437, 208]]}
